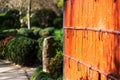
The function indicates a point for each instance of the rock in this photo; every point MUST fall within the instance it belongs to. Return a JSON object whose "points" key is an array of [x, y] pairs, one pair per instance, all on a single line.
{"points": [[47, 52]]}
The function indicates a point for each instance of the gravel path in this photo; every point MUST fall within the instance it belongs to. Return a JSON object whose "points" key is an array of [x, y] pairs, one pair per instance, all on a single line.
{"points": [[10, 71]]}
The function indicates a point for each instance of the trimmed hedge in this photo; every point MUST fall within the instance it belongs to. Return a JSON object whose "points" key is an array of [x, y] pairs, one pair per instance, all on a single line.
{"points": [[46, 31], [10, 20], [7, 33], [22, 50], [43, 18], [26, 32]]}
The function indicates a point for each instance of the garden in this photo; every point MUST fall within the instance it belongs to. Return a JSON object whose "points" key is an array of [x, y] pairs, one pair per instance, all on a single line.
{"points": [[24, 46]]}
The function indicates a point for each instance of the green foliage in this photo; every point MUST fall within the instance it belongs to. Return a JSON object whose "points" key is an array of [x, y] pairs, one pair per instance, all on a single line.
{"points": [[25, 18], [60, 78], [58, 33], [8, 32], [36, 31], [1, 19], [58, 21], [1, 50], [36, 73], [43, 18], [10, 20], [22, 50], [2, 14], [40, 75], [56, 65], [60, 4], [46, 31], [40, 42], [26, 32]]}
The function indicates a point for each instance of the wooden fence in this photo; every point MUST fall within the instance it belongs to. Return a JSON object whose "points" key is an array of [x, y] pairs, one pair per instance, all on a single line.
{"points": [[92, 40]]}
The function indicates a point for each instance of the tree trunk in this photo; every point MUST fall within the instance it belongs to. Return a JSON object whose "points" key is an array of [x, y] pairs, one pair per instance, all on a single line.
{"points": [[28, 13]]}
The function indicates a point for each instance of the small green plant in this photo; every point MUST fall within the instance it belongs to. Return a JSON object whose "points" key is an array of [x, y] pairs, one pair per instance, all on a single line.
{"points": [[40, 75], [56, 66]]}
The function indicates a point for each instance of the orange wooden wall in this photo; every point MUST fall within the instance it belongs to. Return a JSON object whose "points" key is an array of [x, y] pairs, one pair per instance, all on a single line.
{"points": [[91, 40]]}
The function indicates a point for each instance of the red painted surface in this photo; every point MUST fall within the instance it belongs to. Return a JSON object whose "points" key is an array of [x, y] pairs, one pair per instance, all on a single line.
{"points": [[98, 52]]}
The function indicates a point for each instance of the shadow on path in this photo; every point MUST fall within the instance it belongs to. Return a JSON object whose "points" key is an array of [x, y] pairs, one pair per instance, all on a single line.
{"points": [[9, 71]]}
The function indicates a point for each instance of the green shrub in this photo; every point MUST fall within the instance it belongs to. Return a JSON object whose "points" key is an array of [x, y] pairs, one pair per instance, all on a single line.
{"points": [[60, 4], [60, 78], [26, 32], [40, 42], [1, 21], [46, 31], [25, 18], [11, 20], [56, 66], [7, 33], [36, 31], [22, 50], [58, 21], [40, 75], [1, 50], [43, 18], [2, 14], [58, 33]]}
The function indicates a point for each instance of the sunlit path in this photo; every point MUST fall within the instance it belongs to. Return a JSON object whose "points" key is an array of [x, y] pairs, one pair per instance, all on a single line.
{"points": [[9, 71]]}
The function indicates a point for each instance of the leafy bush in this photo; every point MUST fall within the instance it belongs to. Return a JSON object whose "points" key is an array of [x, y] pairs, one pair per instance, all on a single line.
{"points": [[36, 31], [58, 21], [26, 32], [1, 50], [60, 78], [60, 4], [40, 42], [43, 18], [10, 20], [58, 33], [56, 66], [46, 31], [22, 50], [40, 75], [7, 33], [1, 19]]}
